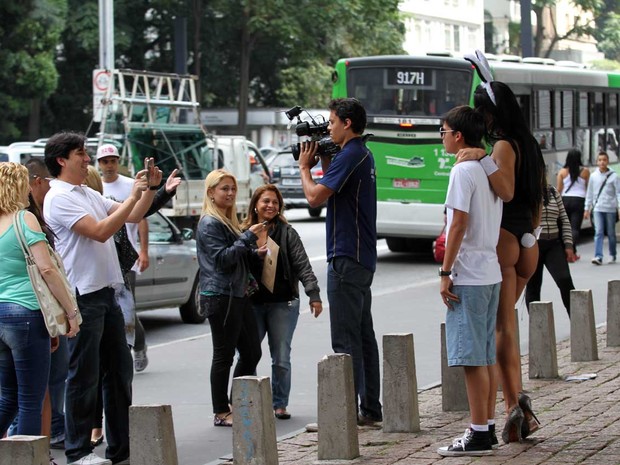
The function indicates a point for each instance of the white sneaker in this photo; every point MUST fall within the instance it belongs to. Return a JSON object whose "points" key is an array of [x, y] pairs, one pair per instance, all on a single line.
{"points": [[140, 360], [612, 261], [91, 459]]}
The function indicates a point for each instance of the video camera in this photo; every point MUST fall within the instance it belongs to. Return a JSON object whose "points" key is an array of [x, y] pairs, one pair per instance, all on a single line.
{"points": [[317, 132]]}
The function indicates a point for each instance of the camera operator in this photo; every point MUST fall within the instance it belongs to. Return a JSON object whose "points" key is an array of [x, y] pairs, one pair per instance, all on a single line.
{"points": [[349, 187]]}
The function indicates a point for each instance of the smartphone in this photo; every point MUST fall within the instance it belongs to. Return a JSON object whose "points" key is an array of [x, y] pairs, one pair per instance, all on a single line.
{"points": [[150, 164]]}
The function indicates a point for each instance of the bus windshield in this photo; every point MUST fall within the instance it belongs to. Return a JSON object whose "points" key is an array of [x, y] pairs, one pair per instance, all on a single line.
{"points": [[409, 90]]}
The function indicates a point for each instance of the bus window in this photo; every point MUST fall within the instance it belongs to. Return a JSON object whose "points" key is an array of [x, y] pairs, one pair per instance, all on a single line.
{"points": [[567, 109], [597, 109], [582, 114], [412, 91], [612, 110]]}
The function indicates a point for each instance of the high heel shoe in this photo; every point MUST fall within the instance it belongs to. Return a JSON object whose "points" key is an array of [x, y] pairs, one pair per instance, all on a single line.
{"points": [[513, 427], [531, 423]]}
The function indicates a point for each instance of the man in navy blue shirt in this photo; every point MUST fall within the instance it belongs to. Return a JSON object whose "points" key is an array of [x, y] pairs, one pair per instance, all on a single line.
{"points": [[349, 187]]}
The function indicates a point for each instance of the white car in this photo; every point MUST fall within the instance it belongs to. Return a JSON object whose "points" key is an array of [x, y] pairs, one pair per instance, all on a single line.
{"points": [[172, 278]]}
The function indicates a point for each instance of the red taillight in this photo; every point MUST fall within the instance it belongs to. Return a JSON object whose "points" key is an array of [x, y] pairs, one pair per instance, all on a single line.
{"points": [[317, 173]]}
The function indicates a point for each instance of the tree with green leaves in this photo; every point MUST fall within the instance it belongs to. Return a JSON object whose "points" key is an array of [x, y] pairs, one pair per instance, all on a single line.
{"points": [[29, 34], [246, 52]]}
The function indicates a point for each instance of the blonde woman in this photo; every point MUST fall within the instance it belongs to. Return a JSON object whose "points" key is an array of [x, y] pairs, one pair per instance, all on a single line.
{"points": [[24, 340], [224, 254]]}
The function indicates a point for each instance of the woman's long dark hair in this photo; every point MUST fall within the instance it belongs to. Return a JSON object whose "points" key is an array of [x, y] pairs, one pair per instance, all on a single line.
{"points": [[506, 121], [32, 208], [573, 163]]}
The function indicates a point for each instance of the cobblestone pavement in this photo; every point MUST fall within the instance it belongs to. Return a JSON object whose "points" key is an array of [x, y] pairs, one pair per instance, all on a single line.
{"points": [[579, 418]]}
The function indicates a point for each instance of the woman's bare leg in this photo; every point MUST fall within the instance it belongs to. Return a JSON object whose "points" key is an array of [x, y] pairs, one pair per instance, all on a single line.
{"points": [[508, 362]]}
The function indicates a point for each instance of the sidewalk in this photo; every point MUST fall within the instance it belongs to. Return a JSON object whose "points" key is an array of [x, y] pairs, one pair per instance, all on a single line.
{"points": [[580, 423]]}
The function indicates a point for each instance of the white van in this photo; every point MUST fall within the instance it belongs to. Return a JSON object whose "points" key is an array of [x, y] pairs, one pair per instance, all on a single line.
{"points": [[21, 152]]}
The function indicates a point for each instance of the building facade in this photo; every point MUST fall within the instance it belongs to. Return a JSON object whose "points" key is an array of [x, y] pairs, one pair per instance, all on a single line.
{"points": [[442, 25]]}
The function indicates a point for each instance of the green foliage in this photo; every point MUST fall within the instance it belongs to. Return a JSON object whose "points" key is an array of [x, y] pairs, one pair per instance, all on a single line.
{"points": [[53, 46], [606, 65], [29, 33]]}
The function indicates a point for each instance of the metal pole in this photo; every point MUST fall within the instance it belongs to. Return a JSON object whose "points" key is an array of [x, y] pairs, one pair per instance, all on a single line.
{"points": [[526, 28], [106, 34]]}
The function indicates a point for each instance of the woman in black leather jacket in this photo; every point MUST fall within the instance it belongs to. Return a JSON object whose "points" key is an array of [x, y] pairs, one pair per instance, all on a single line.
{"points": [[224, 255], [277, 310]]}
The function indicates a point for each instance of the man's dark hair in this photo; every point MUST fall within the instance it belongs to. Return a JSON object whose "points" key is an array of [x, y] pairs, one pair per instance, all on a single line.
{"points": [[37, 168], [468, 122], [59, 146], [352, 109]]}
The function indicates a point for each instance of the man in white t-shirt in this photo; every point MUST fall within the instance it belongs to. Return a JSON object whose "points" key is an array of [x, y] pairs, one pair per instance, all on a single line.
{"points": [[84, 222], [118, 187], [470, 280]]}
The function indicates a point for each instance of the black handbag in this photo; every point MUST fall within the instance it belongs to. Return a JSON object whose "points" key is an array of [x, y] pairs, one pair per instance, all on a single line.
{"points": [[127, 255]]}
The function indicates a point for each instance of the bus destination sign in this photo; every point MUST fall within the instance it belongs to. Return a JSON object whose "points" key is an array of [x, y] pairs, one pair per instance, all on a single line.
{"points": [[412, 78]]}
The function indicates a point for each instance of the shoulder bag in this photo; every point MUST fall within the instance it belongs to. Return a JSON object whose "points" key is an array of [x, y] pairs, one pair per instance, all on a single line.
{"points": [[53, 312]]}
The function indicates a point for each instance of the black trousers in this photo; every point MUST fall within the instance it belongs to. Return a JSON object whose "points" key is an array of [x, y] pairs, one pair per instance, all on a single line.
{"points": [[574, 207], [233, 326], [551, 254]]}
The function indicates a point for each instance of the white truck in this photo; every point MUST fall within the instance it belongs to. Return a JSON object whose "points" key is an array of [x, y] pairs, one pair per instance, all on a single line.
{"points": [[157, 115], [233, 153]]}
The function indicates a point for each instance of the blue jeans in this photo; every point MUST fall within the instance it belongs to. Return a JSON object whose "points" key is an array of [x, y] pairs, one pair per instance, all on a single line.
{"points": [[24, 368], [604, 221], [100, 344], [350, 299], [278, 320], [58, 375]]}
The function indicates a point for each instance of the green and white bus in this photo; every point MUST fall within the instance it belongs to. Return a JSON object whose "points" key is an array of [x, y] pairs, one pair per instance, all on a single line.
{"points": [[405, 97]]}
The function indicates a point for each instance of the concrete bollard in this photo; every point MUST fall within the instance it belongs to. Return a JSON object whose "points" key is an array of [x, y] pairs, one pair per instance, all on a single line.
{"points": [[24, 450], [337, 409], [543, 352], [613, 313], [453, 390], [151, 435], [254, 428], [582, 327], [400, 387]]}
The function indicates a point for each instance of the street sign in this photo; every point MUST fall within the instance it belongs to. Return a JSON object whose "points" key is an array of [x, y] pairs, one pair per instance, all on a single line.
{"points": [[101, 81]]}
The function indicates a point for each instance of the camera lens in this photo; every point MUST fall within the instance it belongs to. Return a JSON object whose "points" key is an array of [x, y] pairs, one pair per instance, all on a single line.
{"points": [[303, 129]]}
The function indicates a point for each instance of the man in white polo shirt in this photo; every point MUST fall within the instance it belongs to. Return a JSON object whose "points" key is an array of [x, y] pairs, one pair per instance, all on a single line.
{"points": [[84, 222], [118, 188]]}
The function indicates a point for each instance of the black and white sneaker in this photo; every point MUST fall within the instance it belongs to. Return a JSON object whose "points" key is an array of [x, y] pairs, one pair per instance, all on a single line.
{"points": [[494, 441], [473, 443]]}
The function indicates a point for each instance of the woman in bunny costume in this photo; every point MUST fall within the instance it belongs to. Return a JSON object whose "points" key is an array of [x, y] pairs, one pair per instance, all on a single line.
{"points": [[515, 169]]}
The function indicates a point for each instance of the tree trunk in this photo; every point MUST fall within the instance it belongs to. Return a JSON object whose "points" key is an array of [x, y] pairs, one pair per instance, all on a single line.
{"points": [[244, 78]]}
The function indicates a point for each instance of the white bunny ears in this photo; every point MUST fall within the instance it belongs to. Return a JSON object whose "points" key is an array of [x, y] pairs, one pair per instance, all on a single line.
{"points": [[481, 64]]}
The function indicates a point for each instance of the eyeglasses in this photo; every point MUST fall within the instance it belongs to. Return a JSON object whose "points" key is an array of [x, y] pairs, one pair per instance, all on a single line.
{"points": [[443, 131]]}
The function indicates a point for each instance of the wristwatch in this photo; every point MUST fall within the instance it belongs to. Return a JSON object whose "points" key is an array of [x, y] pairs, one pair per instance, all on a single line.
{"points": [[444, 273]]}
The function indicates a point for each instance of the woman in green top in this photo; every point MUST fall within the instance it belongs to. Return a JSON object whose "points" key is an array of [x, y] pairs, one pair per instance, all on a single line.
{"points": [[24, 340]]}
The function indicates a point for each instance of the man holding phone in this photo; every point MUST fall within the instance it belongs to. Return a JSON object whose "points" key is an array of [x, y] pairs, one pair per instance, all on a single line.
{"points": [[84, 222]]}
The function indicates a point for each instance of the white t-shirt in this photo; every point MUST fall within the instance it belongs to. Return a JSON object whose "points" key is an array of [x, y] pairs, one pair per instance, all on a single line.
{"points": [[90, 265], [469, 191], [120, 190]]}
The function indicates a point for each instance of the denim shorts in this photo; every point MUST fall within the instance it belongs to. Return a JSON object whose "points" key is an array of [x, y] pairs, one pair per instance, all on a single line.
{"points": [[470, 326]]}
